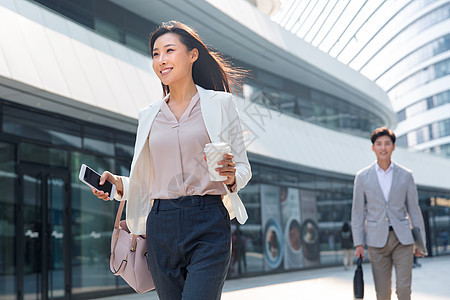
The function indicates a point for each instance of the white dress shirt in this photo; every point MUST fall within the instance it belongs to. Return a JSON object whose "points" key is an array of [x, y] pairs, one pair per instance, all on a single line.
{"points": [[385, 179]]}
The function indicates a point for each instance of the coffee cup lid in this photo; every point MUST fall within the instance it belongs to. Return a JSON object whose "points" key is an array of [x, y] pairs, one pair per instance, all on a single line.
{"points": [[217, 146]]}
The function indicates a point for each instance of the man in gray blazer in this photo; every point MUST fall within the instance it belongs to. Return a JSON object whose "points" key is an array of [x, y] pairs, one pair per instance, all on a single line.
{"points": [[385, 206]]}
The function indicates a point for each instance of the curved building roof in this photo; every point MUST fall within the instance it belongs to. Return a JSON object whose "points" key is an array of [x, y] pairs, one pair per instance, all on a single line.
{"points": [[239, 30], [76, 57], [403, 46]]}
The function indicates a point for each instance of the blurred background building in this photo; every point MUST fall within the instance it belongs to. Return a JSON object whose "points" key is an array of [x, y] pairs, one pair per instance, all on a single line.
{"points": [[73, 75], [403, 46]]}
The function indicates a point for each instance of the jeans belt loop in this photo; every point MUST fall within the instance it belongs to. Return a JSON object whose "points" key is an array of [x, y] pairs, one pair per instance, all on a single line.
{"points": [[157, 206]]}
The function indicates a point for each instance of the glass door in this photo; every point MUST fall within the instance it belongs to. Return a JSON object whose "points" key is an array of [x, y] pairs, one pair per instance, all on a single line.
{"points": [[44, 203]]}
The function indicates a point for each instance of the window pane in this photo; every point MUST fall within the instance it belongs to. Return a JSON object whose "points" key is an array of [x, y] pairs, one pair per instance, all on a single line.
{"points": [[75, 12], [109, 29], [92, 225], [247, 239], [7, 221], [137, 42], [43, 155], [125, 145], [53, 130], [100, 140]]}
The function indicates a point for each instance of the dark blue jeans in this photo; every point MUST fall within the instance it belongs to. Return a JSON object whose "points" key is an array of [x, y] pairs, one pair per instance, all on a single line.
{"points": [[189, 245]]}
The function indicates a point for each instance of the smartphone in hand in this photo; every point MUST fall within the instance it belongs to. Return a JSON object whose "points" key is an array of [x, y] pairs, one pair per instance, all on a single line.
{"points": [[92, 179]]}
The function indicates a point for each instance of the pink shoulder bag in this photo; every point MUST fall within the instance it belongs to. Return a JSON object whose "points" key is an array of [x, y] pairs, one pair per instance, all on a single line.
{"points": [[129, 256]]}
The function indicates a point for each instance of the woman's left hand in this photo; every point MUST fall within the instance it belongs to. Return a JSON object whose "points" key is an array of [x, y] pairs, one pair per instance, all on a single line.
{"points": [[228, 169]]}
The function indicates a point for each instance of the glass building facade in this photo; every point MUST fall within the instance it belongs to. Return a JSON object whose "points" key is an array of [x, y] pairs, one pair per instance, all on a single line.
{"points": [[402, 45], [107, 19], [268, 89], [63, 231]]}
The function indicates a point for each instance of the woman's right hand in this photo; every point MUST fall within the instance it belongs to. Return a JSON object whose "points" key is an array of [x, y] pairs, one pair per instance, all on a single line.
{"points": [[111, 178]]}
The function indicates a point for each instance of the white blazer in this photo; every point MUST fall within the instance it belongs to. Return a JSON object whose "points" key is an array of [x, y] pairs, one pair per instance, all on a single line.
{"points": [[222, 123]]}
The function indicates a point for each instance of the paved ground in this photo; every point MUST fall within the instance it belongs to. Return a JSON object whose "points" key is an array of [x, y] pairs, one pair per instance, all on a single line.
{"points": [[430, 282]]}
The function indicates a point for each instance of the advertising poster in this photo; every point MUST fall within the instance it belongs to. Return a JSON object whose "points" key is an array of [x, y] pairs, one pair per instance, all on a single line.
{"points": [[273, 243], [247, 252], [291, 216], [310, 229]]}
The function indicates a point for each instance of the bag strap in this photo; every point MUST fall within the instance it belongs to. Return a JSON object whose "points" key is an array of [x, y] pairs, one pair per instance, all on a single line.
{"points": [[117, 221], [121, 268], [359, 261], [119, 214]]}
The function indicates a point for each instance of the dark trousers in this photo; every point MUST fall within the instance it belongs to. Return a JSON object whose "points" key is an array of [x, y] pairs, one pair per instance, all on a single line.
{"points": [[189, 245]]}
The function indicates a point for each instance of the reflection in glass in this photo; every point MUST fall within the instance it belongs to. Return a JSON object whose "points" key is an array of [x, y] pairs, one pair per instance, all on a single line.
{"points": [[437, 217], [22, 122], [108, 19], [98, 140], [43, 235], [389, 77], [442, 230], [419, 78], [91, 230], [109, 29], [443, 150], [307, 181], [426, 133], [247, 241], [314, 106], [32, 232], [424, 105], [124, 145], [55, 205], [398, 31], [42, 155], [7, 221]]}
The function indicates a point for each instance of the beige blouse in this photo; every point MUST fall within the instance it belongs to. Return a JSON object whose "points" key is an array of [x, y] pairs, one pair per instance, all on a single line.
{"points": [[176, 151]]}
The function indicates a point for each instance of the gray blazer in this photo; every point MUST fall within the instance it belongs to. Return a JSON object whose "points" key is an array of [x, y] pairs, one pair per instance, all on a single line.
{"points": [[371, 214]]}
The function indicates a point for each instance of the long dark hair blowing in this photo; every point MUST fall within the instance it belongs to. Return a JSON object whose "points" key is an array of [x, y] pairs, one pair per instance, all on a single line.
{"points": [[210, 71]]}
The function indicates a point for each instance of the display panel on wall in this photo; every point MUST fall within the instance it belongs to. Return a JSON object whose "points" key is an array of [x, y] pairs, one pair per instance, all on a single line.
{"points": [[289, 228]]}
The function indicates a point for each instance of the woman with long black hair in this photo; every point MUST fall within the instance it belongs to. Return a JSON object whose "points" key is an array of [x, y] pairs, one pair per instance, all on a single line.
{"points": [[170, 197]]}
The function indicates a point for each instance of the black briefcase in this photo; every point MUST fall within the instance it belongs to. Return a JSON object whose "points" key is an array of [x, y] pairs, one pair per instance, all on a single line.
{"points": [[358, 281]]}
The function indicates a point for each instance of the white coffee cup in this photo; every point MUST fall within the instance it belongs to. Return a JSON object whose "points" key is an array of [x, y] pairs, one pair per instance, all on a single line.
{"points": [[214, 153]]}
